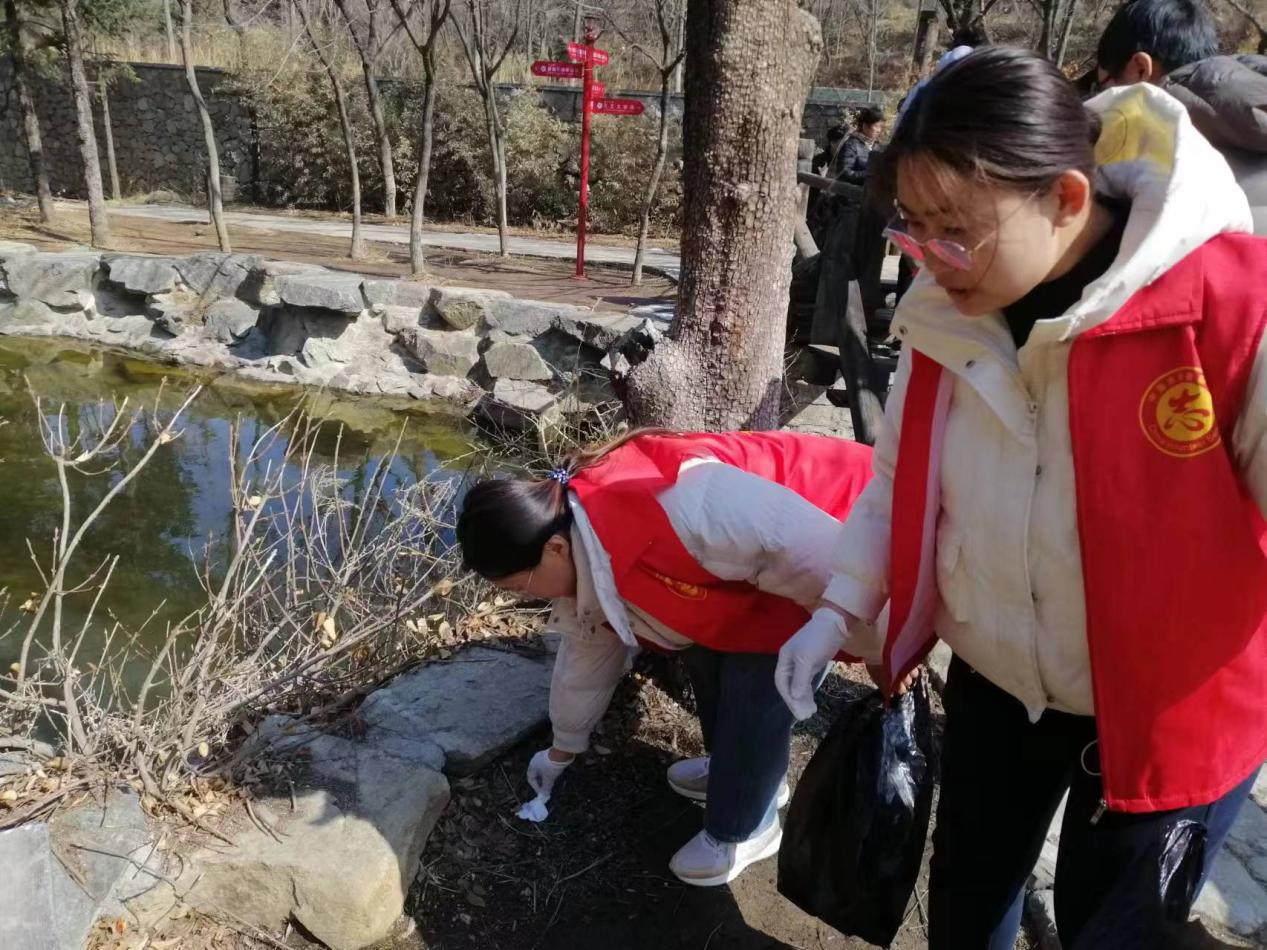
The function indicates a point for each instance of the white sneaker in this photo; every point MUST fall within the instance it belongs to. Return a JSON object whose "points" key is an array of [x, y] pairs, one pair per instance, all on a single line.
{"points": [[706, 862], [689, 778]]}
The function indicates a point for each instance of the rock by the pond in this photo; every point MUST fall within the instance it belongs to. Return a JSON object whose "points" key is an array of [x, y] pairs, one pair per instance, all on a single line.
{"points": [[262, 288], [397, 293], [343, 859], [176, 312], [516, 361], [230, 320], [142, 275], [45, 906], [29, 315], [338, 292], [399, 319], [510, 691], [59, 280], [515, 404], [217, 275], [463, 309], [444, 352]]}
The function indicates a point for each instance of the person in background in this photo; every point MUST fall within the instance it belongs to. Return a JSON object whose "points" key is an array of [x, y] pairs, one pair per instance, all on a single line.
{"points": [[822, 160], [711, 546], [850, 162], [1172, 44], [1071, 491], [962, 42]]}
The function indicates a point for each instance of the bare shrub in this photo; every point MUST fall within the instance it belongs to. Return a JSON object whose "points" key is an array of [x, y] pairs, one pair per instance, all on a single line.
{"points": [[322, 587]]}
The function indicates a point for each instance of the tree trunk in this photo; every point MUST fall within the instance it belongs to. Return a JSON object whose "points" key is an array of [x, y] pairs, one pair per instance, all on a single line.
{"points": [[107, 127], [367, 51], [577, 22], [357, 250], [653, 186], [417, 259], [26, 106], [171, 33], [98, 223], [215, 196], [384, 140], [1066, 30], [749, 66], [497, 146]]}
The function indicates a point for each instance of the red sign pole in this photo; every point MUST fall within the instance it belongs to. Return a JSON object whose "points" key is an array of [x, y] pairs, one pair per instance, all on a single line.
{"points": [[587, 93]]}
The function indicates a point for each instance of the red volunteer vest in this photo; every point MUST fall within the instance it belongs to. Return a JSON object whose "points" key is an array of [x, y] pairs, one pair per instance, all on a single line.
{"points": [[652, 568], [1172, 545]]}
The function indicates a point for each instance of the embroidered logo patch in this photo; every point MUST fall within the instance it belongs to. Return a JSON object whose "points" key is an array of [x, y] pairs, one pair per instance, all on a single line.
{"points": [[681, 588], [1177, 413]]}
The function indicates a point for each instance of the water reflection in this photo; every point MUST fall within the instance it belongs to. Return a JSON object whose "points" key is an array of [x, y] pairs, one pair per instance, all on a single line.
{"points": [[159, 526]]}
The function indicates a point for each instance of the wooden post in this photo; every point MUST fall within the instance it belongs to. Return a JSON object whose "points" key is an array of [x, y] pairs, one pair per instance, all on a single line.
{"points": [[806, 246]]}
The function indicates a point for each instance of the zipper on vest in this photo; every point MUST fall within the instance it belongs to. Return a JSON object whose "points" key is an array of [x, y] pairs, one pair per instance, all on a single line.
{"points": [[1100, 809]]}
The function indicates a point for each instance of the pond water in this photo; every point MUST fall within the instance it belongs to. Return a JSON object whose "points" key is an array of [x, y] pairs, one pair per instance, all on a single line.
{"points": [[162, 520]]}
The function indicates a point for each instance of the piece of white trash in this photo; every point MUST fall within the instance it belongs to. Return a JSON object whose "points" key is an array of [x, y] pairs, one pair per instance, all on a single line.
{"points": [[535, 810]]}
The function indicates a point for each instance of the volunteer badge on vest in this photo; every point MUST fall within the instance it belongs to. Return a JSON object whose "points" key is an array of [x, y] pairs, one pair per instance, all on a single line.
{"points": [[1177, 413]]}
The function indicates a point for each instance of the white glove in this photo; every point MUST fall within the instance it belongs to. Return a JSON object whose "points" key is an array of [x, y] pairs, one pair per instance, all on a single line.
{"points": [[805, 656], [543, 772]]}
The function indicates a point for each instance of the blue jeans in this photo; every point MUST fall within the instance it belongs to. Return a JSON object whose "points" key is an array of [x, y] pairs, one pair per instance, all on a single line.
{"points": [[748, 732], [1002, 778]]}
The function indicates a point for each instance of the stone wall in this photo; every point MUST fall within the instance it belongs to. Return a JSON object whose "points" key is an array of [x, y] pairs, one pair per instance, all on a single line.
{"points": [[515, 362], [158, 137], [157, 133]]}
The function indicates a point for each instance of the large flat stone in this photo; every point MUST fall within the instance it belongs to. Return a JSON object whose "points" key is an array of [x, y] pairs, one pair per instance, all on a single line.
{"points": [[1247, 839], [27, 917], [343, 864], [217, 275], [516, 361], [516, 404], [445, 352], [57, 279], [142, 275], [230, 320], [338, 292], [1231, 898], [474, 706], [463, 309], [396, 293], [44, 907]]}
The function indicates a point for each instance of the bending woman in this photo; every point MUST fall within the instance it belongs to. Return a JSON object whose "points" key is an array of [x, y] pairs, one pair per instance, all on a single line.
{"points": [[1070, 490], [708, 545]]}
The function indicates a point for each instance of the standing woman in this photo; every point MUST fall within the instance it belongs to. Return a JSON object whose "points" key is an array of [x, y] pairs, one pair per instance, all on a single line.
{"points": [[708, 545], [1070, 491]]}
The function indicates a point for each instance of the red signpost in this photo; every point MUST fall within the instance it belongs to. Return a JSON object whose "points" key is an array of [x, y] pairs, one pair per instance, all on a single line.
{"points": [[585, 56]]}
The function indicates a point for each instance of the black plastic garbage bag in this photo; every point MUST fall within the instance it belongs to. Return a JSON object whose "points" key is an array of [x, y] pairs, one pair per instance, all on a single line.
{"points": [[1150, 903], [854, 835]]}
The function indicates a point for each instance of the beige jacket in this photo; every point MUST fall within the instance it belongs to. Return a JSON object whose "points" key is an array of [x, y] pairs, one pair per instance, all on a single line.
{"points": [[738, 526]]}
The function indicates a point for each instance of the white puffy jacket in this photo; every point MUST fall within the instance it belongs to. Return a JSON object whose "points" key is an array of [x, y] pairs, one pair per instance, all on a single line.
{"points": [[1009, 573]]}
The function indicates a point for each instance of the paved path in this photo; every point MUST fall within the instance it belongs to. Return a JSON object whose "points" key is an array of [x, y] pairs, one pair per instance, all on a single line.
{"points": [[666, 262]]}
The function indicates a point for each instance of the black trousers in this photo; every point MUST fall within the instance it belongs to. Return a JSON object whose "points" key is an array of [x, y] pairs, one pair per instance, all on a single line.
{"points": [[1002, 781]]}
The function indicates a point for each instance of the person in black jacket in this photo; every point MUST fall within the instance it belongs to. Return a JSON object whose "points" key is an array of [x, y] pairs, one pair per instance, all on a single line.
{"points": [[850, 163]]}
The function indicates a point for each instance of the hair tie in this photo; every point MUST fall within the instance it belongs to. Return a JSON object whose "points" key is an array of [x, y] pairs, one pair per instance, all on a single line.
{"points": [[561, 476]]}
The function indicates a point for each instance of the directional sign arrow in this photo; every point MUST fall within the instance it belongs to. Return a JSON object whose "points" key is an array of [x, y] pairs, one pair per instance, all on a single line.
{"points": [[581, 53], [544, 67], [618, 106]]}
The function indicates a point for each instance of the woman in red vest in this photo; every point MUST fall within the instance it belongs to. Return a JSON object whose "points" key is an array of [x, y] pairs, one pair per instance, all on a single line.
{"points": [[711, 545], [1070, 492]]}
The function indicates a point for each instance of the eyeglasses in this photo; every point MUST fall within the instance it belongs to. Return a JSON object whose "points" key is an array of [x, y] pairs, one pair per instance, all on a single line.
{"points": [[951, 253]]}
